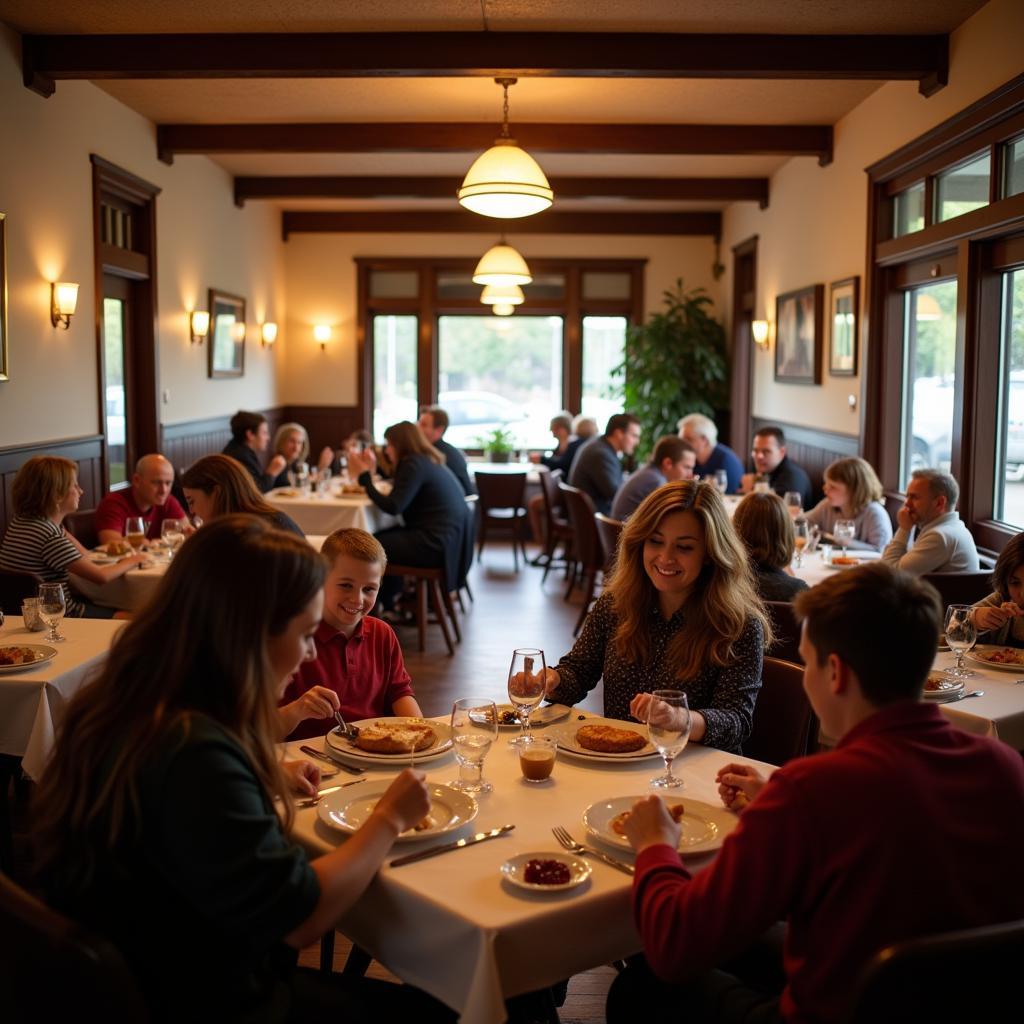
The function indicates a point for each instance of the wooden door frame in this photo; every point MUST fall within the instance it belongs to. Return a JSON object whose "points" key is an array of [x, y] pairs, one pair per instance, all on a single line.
{"points": [[744, 306]]}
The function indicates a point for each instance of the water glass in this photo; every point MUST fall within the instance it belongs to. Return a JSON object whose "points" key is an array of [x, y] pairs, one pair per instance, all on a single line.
{"points": [[323, 482], [721, 480], [668, 725], [794, 503], [801, 535], [30, 614], [526, 677], [302, 476], [135, 531], [52, 606], [474, 732], [845, 530], [172, 533], [961, 635]]}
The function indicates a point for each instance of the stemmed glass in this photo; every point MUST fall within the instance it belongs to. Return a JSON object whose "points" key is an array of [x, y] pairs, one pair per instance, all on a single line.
{"points": [[474, 730], [135, 531], [844, 532], [302, 476], [52, 606], [961, 635], [668, 725], [801, 535], [721, 480], [794, 503], [172, 533], [526, 687]]}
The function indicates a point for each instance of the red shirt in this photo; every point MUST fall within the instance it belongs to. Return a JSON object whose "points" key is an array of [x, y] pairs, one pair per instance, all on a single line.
{"points": [[365, 670], [908, 828], [117, 506]]}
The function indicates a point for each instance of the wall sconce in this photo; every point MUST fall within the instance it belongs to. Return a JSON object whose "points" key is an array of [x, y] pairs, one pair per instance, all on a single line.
{"points": [[322, 333], [63, 300], [268, 333], [238, 331], [759, 330], [198, 325]]}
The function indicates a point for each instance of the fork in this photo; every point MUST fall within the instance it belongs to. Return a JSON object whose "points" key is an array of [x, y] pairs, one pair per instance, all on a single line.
{"points": [[350, 732], [570, 844]]}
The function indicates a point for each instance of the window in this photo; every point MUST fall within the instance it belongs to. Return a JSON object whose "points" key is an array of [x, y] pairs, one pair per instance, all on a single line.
{"points": [[394, 371], [1009, 477], [604, 349], [1013, 157], [962, 189], [115, 393], [909, 210]]}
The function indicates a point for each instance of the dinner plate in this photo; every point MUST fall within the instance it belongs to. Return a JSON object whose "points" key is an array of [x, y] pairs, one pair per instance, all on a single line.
{"points": [[981, 653], [42, 652], [538, 717], [439, 748], [566, 737], [514, 870], [949, 686], [348, 808], [704, 825]]}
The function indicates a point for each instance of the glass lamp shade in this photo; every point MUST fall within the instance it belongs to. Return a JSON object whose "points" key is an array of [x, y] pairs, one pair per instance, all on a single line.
{"points": [[503, 309], [322, 333], [502, 265], [505, 182], [928, 308], [759, 329], [65, 297], [505, 295]]}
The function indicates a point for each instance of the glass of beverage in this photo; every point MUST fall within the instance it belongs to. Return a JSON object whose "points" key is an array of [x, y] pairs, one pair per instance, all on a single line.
{"points": [[172, 533], [844, 532], [537, 758], [794, 503], [474, 730], [526, 686], [302, 476], [761, 486], [323, 481], [52, 606], [801, 534], [668, 725], [961, 635], [135, 531], [721, 480]]}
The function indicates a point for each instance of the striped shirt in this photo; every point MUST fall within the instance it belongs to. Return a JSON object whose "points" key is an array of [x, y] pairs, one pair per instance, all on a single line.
{"points": [[41, 546]]}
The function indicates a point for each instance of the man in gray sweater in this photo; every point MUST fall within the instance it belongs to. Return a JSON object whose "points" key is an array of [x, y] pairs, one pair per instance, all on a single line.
{"points": [[943, 542], [596, 469]]}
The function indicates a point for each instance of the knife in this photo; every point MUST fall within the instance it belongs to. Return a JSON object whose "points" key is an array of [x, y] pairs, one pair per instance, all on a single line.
{"points": [[313, 752], [480, 837], [611, 861]]}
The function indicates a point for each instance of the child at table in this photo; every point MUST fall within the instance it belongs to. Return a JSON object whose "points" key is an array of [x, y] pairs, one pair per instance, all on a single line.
{"points": [[358, 668], [999, 618]]}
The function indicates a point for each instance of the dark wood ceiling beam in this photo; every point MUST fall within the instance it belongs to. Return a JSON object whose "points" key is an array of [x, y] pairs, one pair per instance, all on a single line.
{"points": [[373, 187], [921, 58], [551, 222], [467, 137]]}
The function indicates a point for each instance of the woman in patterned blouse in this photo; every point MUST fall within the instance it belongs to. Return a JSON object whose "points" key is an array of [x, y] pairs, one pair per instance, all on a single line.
{"points": [[679, 611]]}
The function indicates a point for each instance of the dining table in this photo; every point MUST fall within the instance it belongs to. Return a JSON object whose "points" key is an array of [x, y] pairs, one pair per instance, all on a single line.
{"points": [[455, 927], [32, 700], [322, 512]]}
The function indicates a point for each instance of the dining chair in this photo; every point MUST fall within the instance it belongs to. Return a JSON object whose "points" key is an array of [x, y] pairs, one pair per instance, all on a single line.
{"points": [[82, 526], [960, 587], [556, 523], [608, 530], [587, 550], [15, 586], [53, 969], [966, 975], [432, 588], [787, 632], [785, 726], [502, 507]]}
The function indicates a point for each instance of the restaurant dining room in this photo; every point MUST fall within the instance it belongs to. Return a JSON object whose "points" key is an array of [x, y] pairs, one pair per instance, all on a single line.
{"points": [[512, 511]]}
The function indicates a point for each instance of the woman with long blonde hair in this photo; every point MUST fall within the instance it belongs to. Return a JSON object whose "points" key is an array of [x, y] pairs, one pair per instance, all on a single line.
{"points": [[853, 491], [155, 822], [680, 611]]}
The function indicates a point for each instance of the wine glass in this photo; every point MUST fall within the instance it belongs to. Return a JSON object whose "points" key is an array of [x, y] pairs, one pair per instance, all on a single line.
{"points": [[801, 535], [302, 476], [668, 725], [172, 533], [844, 532], [52, 606], [197, 521], [794, 503], [721, 480], [135, 531], [323, 481], [961, 635], [474, 730], [526, 687]]}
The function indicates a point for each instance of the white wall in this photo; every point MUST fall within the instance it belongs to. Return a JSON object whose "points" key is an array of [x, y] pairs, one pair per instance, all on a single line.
{"points": [[202, 240], [320, 281], [815, 230]]}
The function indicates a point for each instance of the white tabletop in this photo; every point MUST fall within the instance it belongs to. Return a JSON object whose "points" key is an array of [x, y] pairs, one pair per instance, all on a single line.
{"points": [[451, 926], [32, 702], [531, 469], [128, 592], [815, 569], [321, 514], [999, 713]]}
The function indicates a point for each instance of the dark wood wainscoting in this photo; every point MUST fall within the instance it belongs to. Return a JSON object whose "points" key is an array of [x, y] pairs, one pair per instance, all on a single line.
{"points": [[86, 451], [812, 448]]}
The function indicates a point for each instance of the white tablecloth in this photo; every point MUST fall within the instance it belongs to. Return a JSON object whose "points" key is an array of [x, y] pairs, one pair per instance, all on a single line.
{"points": [[814, 568], [32, 702], [127, 593], [323, 514], [1000, 713], [451, 926]]}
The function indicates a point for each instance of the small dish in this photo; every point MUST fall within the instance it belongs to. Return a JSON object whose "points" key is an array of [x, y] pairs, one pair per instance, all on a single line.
{"points": [[940, 685], [514, 869]]}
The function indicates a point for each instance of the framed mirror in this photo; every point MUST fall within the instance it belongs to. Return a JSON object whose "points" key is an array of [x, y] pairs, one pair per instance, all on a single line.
{"points": [[226, 340]]}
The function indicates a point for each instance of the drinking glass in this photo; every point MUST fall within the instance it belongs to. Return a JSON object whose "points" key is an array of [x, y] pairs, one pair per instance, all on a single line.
{"points": [[474, 730], [135, 531], [172, 533], [323, 481], [961, 635], [794, 503], [721, 480], [197, 521], [668, 725], [302, 476], [845, 530], [801, 535], [52, 606], [526, 687]]}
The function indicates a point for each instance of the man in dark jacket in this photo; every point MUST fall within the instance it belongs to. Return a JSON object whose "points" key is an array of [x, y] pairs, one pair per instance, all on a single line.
{"points": [[433, 423], [249, 435], [596, 469]]}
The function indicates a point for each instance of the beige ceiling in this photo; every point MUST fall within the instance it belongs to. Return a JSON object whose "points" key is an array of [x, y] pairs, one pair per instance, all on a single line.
{"points": [[559, 100]]}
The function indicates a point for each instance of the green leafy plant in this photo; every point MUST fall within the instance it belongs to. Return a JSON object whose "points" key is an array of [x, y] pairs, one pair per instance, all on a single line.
{"points": [[675, 364], [497, 445]]}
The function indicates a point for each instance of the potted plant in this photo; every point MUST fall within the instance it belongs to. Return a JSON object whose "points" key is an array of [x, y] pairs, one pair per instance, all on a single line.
{"points": [[498, 445], [675, 364]]}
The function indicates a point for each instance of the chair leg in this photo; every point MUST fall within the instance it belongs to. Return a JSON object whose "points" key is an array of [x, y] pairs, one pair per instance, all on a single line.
{"points": [[572, 573], [421, 611], [458, 597], [449, 607], [435, 600], [481, 538], [327, 952], [357, 963], [469, 593], [515, 544]]}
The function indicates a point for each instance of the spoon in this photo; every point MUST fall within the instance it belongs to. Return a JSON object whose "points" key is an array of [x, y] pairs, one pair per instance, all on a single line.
{"points": [[964, 696]]}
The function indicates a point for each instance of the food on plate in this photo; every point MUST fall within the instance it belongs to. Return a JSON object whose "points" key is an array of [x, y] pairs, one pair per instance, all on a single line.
{"points": [[934, 683], [424, 823], [608, 740], [546, 872], [286, 492], [395, 737], [508, 717], [844, 560], [352, 489], [117, 548], [618, 823], [19, 656], [1004, 656]]}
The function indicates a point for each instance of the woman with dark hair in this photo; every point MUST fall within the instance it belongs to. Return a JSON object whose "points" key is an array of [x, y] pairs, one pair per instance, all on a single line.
{"points": [[763, 524], [999, 618], [218, 486], [680, 611], [155, 822], [428, 497]]}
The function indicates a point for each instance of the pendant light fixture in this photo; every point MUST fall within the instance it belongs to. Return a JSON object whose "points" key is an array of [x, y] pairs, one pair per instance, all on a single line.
{"points": [[505, 181], [509, 294], [502, 265], [503, 309]]}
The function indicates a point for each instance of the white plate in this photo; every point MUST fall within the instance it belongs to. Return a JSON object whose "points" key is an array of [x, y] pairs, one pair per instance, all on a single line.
{"points": [[977, 656], [514, 870], [566, 737], [951, 686], [439, 748], [43, 655], [704, 826], [348, 809], [540, 716]]}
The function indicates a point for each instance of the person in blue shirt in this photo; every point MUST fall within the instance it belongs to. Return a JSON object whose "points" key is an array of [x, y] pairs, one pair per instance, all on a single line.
{"points": [[673, 459], [701, 434]]}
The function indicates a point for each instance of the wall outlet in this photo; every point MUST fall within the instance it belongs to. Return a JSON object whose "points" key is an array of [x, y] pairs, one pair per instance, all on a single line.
{"points": [[165, 396]]}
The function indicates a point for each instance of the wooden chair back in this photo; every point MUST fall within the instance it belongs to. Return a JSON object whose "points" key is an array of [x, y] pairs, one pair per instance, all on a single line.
{"points": [[15, 586], [960, 587], [608, 530], [787, 632], [785, 726]]}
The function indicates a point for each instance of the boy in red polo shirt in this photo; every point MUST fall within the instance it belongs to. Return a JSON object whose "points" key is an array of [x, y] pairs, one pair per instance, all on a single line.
{"points": [[358, 667]]}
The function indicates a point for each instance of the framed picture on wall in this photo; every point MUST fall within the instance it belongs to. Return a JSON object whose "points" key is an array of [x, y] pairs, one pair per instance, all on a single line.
{"points": [[799, 331], [4, 372], [226, 343], [843, 305]]}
